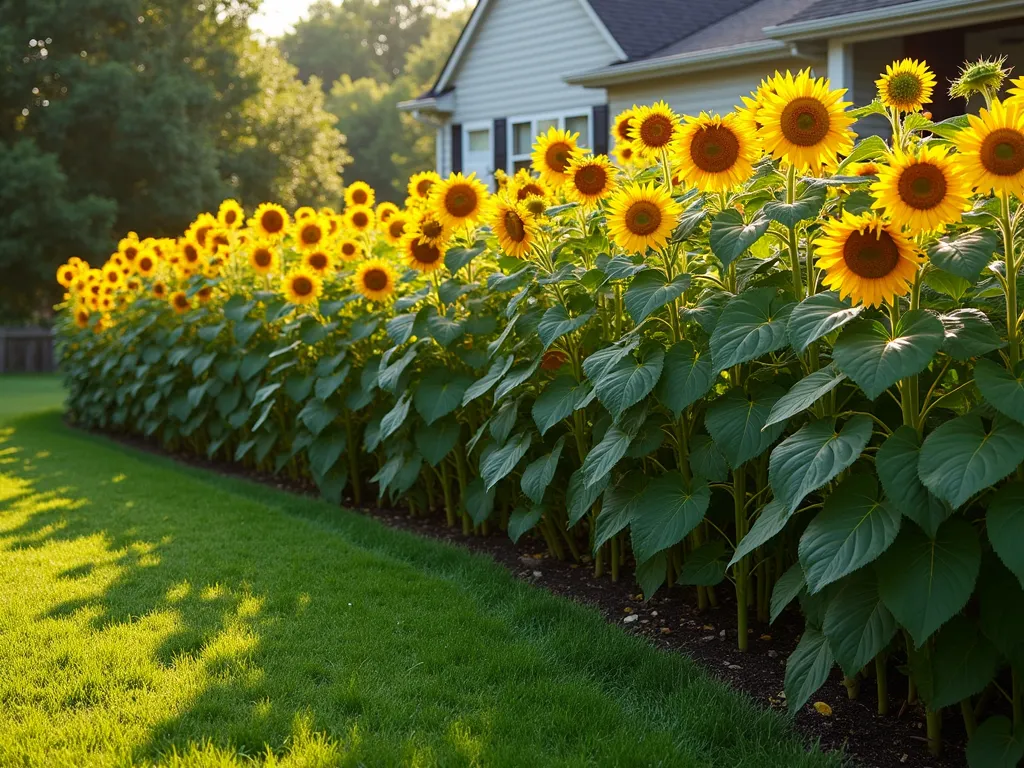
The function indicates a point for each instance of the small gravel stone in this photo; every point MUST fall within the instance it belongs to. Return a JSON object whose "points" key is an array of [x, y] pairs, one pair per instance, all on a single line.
{"points": [[630, 619]]}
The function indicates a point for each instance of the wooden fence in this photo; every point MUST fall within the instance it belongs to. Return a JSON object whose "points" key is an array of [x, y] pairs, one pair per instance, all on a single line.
{"points": [[26, 350]]}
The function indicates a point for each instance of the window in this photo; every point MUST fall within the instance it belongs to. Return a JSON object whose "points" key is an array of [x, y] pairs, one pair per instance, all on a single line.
{"points": [[524, 130], [479, 141]]}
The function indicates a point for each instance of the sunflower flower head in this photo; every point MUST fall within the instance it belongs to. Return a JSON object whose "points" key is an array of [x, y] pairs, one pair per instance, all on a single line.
{"points": [[984, 76], [642, 217], [866, 258], [302, 286], [420, 254], [552, 153], [591, 178], [311, 233], [804, 122], [318, 261], [524, 185], [991, 149], [921, 190], [716, 153], [514, 227], [375, 280], [230, 215], [270, 221], [394, 229], [180, 302], [421, 184], [906, 85], [459, 200], [359, 218], [653, 130], [385, 211], [263, 257], [360, 193], [350, 249]]}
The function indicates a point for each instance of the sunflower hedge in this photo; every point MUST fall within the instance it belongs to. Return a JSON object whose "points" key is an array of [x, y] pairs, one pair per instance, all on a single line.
{"points": [[753, 357]]}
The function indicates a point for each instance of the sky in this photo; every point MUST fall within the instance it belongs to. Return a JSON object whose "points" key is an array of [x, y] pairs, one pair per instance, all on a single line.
{"points": [[277, 16]]}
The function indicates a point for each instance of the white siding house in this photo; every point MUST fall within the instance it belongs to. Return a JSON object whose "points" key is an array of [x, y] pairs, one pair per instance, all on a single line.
{"points": [[521, 66]]}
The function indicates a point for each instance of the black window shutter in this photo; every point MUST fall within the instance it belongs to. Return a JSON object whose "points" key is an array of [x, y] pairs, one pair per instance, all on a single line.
{"points": [[601, 129], [500, 144], [456, 147]]}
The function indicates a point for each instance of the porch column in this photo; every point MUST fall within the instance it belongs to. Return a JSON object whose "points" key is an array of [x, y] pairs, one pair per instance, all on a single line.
{"points": [[840, 66]]}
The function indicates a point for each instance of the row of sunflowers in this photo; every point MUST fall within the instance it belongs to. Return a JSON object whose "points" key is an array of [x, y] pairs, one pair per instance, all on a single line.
{"points": [[752, 357]]}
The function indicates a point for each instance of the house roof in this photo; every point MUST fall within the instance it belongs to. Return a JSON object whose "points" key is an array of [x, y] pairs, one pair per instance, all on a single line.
{"points": [[824, 9], [642, 27]]}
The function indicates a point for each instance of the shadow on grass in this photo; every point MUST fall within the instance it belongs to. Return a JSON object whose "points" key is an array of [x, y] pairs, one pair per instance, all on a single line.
{"points": [[298, 628]]}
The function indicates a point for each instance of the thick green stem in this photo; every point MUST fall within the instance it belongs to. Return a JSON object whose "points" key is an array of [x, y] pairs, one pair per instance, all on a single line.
{"points": [[1012, 311], [852, 685], [970, 724], [741, 571], [934, 723], [615, 558], [794, 243], [449, 509], [882, 683]]}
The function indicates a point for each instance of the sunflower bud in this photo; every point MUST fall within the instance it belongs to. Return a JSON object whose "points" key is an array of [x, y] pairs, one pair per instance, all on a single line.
{"points": [[984, 76]]}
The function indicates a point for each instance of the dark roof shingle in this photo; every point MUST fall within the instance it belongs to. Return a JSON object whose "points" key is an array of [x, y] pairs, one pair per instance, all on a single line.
{"points": [[642, 27], [823, 9]]}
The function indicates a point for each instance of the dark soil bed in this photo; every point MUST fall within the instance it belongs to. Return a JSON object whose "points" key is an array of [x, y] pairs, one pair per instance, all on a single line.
{"points": [[671, 621]]}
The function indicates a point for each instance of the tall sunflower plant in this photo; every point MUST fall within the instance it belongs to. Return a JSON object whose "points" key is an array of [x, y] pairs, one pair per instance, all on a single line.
{"points": [[749, 356]]}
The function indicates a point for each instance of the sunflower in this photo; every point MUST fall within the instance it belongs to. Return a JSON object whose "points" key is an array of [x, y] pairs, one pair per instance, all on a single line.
{"points": [[524, 185], [551, 155], [359, 193], [359, 218], [642, 217], [429, 227], [310, 233], [218, 241], [350, 249], [385, 211], [159, 290], [866, 258], [82, 317], [112, 276], [128, 247], [654, 129], [304, 213], [867, 168], [716, 153], [145, 265], [270, 220], [804, 122], [318, 261], [263, 258], [421, 185], [591, 179], [992, 149], [230, 215], [906, 85], [375, 280], [458, 199], [921, 190], [753, 103], [302, 287], [204, 294], [394, 230], [422, 255], [179, 301], [190, 253], [66, 275], [1017, 92], [623, 124], [201, 227], [624, 153], [513, 227]]}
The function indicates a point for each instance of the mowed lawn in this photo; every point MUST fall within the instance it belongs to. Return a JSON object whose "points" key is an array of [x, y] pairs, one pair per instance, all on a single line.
{"points": [[152, 614]]}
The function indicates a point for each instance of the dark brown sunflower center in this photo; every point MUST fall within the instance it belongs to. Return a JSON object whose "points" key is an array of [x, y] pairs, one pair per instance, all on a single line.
{"points": [[220, 240], [113, 276], [230, 217], [557, 156], [870, 254], [359, 197], [318, 261], [262, 257], [591, 179], [622, 129], [714, 149], [332, 225], [425, 253], [68, 275], [529, 189], [145, 264], [805, 121], [385, 215], [302, 286], [360, 220], [159, 289], [514, 227], [656, 131], [868, 169], [272, 222], [375, 279], [922, 186], [311, 235], [396, 228], [904, 88], [423, 187], [201, 235], [461, 201], [348, 249], [131, 252], [205, 294], [626, 153], [1002, 152], [191, 254], [536, 206], [643, 218], [432, 228], [181, 301]]}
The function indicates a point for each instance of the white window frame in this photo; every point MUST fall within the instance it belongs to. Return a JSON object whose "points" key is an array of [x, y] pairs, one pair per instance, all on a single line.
{"points": [[479, 125], [559, 117]]}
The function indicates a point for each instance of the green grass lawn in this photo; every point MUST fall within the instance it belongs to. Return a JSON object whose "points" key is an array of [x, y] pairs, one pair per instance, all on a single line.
{"points": [[155, 614]]}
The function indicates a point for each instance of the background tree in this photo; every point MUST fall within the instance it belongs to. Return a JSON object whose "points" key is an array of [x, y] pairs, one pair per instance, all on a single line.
{"points": [[140, 114]]}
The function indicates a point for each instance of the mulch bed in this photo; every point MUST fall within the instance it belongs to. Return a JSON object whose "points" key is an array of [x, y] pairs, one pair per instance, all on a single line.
{"points": [[671, 621]]}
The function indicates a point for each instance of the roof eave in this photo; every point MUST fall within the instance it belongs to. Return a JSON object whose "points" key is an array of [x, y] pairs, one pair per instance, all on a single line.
{"points": [[439, 105], [921, 14], [683, 63]]}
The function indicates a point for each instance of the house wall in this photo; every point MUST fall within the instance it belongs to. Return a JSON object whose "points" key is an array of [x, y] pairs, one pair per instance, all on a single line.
{"points": [[521, 52], [716, 90], [869, 62]]}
